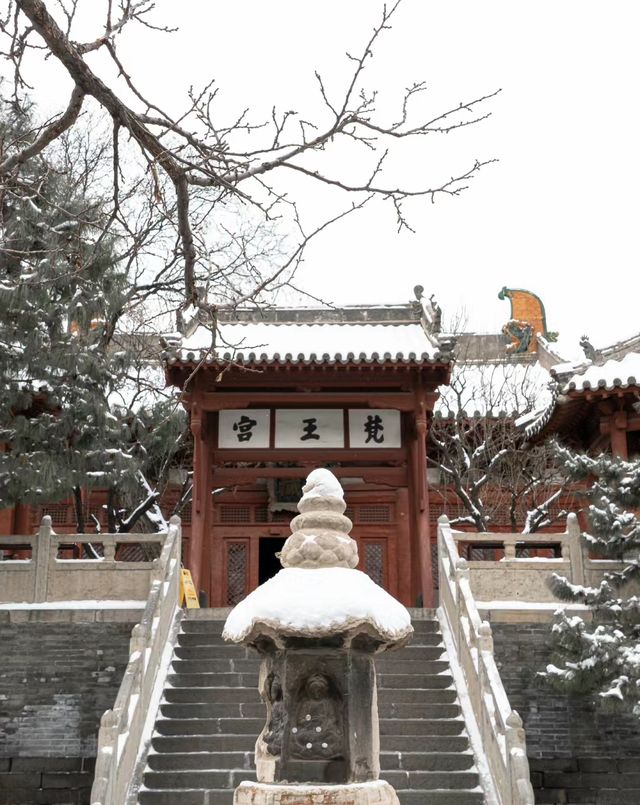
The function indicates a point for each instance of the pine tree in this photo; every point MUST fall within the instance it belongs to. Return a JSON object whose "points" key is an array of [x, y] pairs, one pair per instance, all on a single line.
{"points": [[61, 291], [603, 655]]}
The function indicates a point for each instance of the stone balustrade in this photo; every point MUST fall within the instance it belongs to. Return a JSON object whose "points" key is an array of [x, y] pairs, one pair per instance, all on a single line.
{"points": [[519, 577], [495, 729], [122, 729], [43, 577]]}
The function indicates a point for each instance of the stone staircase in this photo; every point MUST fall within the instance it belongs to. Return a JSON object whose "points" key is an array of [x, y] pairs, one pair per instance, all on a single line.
{"points": [[211, 714]]}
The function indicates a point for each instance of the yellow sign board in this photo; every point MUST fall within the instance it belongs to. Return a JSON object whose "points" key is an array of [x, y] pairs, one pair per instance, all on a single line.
{"points": [[188, 593]]}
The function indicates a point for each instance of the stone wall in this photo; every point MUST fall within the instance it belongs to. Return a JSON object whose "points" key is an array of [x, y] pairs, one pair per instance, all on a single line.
{"points": [[578, 750], [56, 680]]}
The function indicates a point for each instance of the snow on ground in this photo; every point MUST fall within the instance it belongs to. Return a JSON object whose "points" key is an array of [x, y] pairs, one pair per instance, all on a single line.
{"points": [[552, 606], [94, 604], [318, 601]]}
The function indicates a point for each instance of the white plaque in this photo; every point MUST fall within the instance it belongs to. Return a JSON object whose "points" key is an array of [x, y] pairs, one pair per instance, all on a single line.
{"points": [[309, 427], [373, 427], [244, 428]]}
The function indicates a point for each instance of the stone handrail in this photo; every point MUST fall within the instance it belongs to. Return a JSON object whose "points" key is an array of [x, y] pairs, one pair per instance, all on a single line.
{"points": [[121, 729], [499, 729], [45, 578], [525, 579]]}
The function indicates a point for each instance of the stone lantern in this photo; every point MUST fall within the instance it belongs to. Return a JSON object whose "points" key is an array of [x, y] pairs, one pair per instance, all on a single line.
{"points": [[318, 625]]}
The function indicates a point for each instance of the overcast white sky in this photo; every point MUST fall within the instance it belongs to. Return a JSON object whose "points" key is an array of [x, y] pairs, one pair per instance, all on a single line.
{"points": [[557, 215]]}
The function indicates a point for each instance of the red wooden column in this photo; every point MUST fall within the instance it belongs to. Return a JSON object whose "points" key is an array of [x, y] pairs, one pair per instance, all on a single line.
{"points": [[199, 501], [403, 547], [421, 504], [618, 435]]}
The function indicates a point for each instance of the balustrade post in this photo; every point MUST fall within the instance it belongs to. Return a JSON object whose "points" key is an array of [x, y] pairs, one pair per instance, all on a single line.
{"points": [[575, 550], [109, 548], [510, 547], [41, 554], [485, 637], [517, 763], [461, 572]]}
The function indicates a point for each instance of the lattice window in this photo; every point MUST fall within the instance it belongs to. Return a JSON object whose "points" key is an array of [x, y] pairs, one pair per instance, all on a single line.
{"points": [[374, 513], [237, 556], [261, 514], [374, 561], [484, 553], [350, 513], [235, 514], [137, 551], [434, 566], [59, 513]]}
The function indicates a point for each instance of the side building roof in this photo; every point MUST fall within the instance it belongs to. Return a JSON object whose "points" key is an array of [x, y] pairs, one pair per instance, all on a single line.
{"points": [[614, 368]]}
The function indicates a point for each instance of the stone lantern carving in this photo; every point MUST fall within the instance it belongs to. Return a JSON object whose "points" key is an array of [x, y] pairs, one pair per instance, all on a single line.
{"points": [[318, 625]]}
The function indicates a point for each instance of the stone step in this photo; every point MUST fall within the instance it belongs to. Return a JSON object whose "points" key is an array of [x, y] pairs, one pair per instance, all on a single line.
{"points": [[212, 680], [435, 797], [183, 761], [211, 715], [393, 742], [428, 780], [426, 761], [431, 725], [218, 778], [209, 726], [225, 797], [185, 797], [207, 710], [399, 663], [214, 710], [204, 639], [250, 662], [402, 695], [230, 778], [180, 695], [210, 638], [221, 692], [428, 743], [189, 661], [203, 624], [389, 761], [426, 667], [395, 681], [231, 681], [420, 726], [205, 743]]}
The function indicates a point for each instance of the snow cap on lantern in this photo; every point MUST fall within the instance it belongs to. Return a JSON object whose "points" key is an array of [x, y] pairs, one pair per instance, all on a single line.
{"points": [[319, 592]]}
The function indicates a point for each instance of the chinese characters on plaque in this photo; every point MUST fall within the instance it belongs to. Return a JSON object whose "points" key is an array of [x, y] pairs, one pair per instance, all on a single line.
{"points": [[244, 428], [309, 427]]}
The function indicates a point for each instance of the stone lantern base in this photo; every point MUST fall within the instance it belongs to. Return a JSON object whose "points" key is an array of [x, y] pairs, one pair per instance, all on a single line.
{"points": [[377, 792]]}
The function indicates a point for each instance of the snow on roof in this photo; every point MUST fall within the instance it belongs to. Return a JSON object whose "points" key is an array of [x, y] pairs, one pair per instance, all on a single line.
{"points": [[494, 388], [587, 376], [311, 342], [611, 374]]}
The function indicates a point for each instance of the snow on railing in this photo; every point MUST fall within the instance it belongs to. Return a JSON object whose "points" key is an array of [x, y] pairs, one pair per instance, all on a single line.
{"points": [[121, 729], [497, 729]]}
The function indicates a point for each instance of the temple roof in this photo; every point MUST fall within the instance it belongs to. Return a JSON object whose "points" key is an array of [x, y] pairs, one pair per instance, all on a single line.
{"points": [[614, 367], [362, 334]]}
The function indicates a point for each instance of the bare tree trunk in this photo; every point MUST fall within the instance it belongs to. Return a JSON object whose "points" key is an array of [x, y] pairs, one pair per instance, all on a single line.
{"points": [[78, 506]]}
